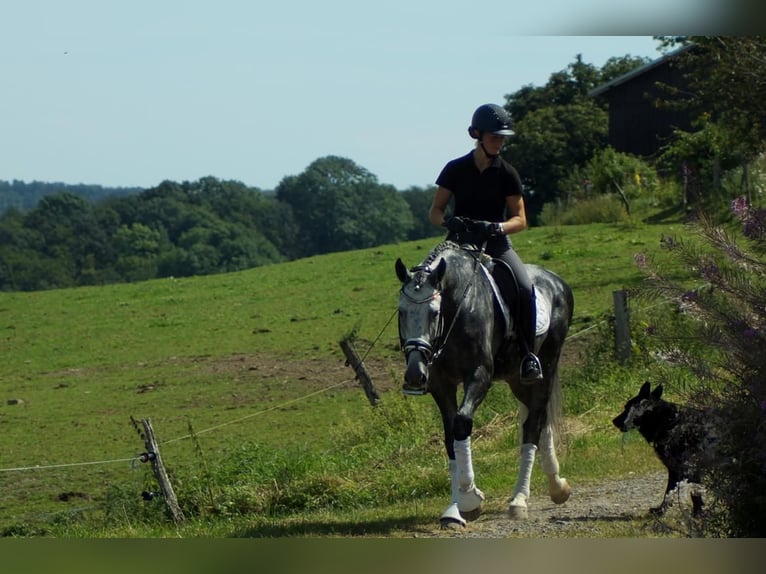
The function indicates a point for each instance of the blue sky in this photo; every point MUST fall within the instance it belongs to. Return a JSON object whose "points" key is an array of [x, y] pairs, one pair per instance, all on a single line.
{"points": [[134, 93]]}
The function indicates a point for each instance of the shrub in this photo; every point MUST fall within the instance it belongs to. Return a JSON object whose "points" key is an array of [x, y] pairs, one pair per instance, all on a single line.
{"points": [[721, 340], [599, 209]]}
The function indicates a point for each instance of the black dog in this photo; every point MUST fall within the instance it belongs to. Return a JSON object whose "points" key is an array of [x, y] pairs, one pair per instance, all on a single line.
{"points": [[681, 437]]}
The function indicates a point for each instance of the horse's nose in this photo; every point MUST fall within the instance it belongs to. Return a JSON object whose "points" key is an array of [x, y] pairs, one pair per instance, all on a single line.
{"points": [[416, 373]]}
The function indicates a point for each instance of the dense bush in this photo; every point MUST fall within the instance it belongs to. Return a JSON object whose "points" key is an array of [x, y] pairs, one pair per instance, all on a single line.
{"points": [[720, 338]]}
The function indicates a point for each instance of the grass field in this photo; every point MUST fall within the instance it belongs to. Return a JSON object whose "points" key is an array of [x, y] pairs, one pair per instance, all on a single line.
{"points": [[246, 386]]}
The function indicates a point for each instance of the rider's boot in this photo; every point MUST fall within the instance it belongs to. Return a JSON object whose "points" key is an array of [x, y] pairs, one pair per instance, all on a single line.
{"points": [[531, 369]]}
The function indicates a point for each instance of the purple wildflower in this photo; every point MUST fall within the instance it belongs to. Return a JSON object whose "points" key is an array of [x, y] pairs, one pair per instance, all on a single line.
{"points": [[640, 259], [740, 207], [690, 296], [668, 242], [754, 226], [710, 270]]}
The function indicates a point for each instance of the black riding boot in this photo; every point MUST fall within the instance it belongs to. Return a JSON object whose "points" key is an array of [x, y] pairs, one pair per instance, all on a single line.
{"points": [[531, 369]]}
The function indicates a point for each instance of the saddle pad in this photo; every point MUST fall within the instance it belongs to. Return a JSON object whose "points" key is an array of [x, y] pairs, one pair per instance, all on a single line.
{"points": [[543, 304], [543, 314]]}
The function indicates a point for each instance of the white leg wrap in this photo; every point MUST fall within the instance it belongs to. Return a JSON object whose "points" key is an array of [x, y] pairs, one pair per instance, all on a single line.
{"points": [[464, 463], [463, 499], [469, 497], [517, 509], [526, 462], [454, 484]]}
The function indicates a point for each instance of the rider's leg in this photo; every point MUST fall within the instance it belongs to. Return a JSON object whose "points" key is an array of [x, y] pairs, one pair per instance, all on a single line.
{"points": [[526, 317]]}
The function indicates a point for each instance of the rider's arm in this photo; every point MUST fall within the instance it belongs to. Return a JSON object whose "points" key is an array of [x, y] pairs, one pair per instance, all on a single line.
{"points": [[517, 220], [439, 206]]}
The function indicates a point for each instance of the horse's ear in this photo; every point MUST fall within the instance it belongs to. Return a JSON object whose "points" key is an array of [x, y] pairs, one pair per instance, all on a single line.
{"points": [[438, 273], [645, 390], [657, 392], [401, 271]]}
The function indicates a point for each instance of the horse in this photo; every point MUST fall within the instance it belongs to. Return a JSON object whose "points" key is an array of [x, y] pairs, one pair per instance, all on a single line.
{"points": [[454, 329]]}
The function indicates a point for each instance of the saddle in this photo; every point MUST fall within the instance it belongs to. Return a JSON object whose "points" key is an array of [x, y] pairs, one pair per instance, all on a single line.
{"points": [[500, 277]]}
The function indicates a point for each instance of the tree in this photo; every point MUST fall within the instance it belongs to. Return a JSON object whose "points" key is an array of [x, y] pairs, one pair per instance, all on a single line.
{"points": [[551, 142], [341, 206], [728, 83], [559, 126], [419, 199], [727, 94]]}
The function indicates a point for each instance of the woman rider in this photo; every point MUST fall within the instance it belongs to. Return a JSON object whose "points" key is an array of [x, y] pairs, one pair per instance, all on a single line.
{"points": [[488, 189]]}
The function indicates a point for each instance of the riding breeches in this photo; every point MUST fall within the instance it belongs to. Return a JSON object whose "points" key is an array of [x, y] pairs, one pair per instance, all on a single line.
{"points": [[525, 313]]}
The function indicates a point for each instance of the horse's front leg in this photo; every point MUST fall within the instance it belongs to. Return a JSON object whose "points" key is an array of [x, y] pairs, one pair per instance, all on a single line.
{"points": [[466, 494], [466, 497]]}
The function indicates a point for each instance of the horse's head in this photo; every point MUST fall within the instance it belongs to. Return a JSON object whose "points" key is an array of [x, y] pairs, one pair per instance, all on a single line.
{"points": [[420, 317]]}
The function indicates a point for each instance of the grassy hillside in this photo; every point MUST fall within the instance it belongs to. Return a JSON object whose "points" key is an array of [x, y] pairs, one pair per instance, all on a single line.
{"points": [[222, 363]]}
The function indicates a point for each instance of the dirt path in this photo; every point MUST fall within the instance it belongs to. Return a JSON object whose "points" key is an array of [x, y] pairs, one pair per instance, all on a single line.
{"points": [[591, 509]]}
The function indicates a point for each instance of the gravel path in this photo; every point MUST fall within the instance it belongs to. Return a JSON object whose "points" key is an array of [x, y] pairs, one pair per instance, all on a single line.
{"points": [[584, 515]]}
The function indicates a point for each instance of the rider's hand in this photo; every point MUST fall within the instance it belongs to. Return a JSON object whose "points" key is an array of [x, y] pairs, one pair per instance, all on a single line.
{"points": [[454, 224], [488, 228]]}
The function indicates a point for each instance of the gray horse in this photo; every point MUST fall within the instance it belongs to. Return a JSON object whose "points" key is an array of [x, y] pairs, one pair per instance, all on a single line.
{"points": [[455, 329]]}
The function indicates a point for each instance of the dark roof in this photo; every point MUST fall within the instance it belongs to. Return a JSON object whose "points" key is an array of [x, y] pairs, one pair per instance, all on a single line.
{"points": [[603, 88]]}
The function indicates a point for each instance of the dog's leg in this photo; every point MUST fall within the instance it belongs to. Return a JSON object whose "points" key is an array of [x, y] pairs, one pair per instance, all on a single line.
{"points": [[672, 483]]}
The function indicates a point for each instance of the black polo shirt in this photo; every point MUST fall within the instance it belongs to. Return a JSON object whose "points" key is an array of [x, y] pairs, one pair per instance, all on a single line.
{"points": [[480, 195]]}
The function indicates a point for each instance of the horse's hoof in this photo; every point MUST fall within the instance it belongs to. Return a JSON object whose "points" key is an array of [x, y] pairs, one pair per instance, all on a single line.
{"points": [[561, 496], [471, 515], [451, 524], [516, 512], [470, 499], [517, 509]]}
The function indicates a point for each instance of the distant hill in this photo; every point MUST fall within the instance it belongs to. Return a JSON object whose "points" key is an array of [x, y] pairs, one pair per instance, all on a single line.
{"points": [[24, 196]]}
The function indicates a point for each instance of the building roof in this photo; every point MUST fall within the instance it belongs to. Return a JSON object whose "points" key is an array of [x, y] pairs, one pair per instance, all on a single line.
{"points": [[603, 88]]}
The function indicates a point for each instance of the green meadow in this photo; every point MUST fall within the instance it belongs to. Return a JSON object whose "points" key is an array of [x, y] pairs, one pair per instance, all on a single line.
{"points": [[261, 424]]}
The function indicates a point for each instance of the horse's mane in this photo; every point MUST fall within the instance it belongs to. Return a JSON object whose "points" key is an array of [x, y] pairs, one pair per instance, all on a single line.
{"points": [[437, 251]]}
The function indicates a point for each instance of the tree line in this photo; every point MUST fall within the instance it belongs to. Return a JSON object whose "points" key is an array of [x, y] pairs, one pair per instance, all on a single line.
{"points": [[203, 227]]}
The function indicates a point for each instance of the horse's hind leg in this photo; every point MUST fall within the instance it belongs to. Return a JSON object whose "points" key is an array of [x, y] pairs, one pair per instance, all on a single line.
{"points": [[517, 508], [558, 487]]}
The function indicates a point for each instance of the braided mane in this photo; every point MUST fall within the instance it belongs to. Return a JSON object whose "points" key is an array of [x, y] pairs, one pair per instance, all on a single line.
{"points": [[437, 251]]}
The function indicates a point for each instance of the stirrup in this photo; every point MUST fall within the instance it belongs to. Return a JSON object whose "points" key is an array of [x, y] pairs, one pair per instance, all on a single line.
{"points": [[531, 369]]}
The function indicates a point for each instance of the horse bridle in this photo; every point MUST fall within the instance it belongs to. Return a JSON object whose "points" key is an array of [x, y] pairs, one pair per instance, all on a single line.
{"points": [[418, 344]]}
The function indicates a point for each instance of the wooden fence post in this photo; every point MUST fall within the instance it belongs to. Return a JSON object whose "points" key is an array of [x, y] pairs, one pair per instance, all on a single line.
{"points": [[352, 358], [152, 454], [621, 326]]}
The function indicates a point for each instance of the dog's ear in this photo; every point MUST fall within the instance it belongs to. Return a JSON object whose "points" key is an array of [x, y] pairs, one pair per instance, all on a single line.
{"points": [[645, 389], [657, 392]]}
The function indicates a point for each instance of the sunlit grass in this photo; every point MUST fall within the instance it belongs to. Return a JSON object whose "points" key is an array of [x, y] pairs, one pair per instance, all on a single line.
{"points": [[182, 352]]}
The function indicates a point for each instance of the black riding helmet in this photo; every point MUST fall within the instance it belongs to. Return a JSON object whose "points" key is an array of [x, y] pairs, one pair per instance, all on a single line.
{"points": [[492, 119]]}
